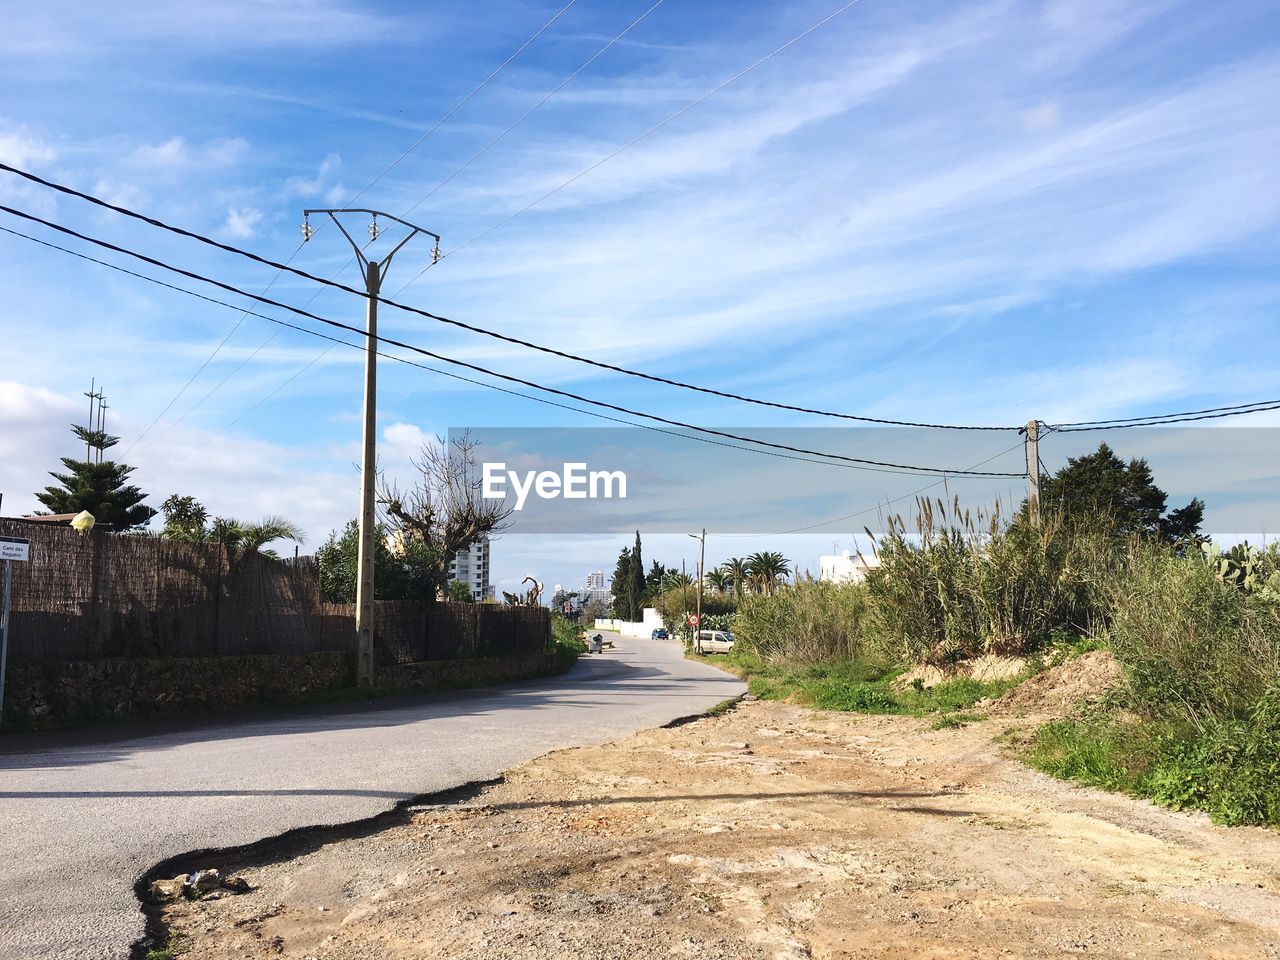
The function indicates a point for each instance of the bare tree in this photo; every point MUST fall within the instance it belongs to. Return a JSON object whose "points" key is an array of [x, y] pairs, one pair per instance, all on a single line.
{"points": [[445, 510]]}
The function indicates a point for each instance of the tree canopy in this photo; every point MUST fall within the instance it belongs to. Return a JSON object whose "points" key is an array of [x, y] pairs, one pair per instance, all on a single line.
{"points": [[630, 586], [1101, 486], [96, 484], [407, 573], [444, 512], [186, 519]]}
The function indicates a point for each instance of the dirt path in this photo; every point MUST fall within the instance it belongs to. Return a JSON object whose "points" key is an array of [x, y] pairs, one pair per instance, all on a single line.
{"points": [[773, 832]]}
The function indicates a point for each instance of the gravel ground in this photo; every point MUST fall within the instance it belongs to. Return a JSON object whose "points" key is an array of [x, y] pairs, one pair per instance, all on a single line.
{"points": [[771, 831]]}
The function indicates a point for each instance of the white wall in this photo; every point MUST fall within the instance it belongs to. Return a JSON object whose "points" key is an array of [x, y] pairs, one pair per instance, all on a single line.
{"points": [[843, 568], [629, 628]]}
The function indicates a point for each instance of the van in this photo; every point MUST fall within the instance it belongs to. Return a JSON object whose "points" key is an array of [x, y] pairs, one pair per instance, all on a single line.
{"points": [[713, 641]]}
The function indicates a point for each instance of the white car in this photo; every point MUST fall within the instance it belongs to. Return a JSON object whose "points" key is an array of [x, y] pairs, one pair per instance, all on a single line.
{"points": [[713, 641]]}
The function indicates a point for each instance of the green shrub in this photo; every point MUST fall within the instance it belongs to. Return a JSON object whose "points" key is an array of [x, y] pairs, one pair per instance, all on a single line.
{"points": [[675, 605], [808, 622], [566, 644], [1231, 768], [1094, 753], [855, 697], [1228, 768], [1194, 647]]}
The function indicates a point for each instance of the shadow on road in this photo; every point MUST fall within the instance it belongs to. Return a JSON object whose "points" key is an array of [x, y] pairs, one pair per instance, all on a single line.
{"points": [[593, 684]]}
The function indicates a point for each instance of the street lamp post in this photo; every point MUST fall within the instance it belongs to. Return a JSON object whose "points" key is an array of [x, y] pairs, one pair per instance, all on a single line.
{"points": [[702, 562], [373, 271]]}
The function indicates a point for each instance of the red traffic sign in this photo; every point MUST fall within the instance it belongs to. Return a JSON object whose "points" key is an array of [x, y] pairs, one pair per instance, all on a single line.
{"points": [[693, 619]]}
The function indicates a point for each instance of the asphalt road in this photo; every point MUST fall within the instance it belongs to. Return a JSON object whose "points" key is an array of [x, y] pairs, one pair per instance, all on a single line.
{"points": [[82, 816]]}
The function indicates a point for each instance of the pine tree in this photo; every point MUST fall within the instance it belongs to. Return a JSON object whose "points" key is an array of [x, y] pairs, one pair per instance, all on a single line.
{"points": [[95, 484]]}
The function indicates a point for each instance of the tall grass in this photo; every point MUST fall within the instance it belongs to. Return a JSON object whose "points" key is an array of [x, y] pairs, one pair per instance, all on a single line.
{"points": [[965, 584], [810, 622], [1199, 722], [1195, 647]]}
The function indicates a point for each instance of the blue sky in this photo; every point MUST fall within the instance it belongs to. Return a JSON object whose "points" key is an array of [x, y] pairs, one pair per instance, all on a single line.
{"points": [[982, 212]]}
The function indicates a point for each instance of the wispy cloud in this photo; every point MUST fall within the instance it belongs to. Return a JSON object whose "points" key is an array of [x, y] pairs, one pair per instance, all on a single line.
{"points": [[177, 155], [242, 222], [49, 30]]}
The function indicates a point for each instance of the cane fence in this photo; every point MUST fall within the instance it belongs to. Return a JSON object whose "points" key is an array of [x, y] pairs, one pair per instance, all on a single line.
{"points": [[102, 595]]}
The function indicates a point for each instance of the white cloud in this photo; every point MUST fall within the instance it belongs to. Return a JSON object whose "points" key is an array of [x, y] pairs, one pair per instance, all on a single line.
{"points": [[241, 222], [176, 155], [1044, 116], [51, 30], [401, 444], [21, 148], [312, 186]]}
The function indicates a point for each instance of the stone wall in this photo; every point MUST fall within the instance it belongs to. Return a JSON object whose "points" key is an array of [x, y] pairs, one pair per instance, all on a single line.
{"points": [[443, 674], [50, 694]]}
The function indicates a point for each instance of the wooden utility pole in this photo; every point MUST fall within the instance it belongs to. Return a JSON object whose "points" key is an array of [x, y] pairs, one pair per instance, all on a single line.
{"points": [[684, 589], [702, 572], [1033, 472]]}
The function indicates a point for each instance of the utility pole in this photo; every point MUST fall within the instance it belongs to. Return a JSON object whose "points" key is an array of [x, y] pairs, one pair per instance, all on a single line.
{"points": [[684, 590], [1033, 472], [373, 272], [702, 561]]}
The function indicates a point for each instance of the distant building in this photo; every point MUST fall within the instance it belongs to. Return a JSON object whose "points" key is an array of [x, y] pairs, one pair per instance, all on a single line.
{"points": [[471, 566], [595, 589], [844, 568]]}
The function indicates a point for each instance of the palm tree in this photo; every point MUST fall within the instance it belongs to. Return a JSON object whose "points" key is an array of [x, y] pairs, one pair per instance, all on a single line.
{"points": [[255, 536], [187, 520], [719, 579], [737, 570], [675, 580], [766, 568]]}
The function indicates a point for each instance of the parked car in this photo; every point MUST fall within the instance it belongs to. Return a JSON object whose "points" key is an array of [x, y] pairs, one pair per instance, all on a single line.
{"points": [[658, 634], [713, 641]]}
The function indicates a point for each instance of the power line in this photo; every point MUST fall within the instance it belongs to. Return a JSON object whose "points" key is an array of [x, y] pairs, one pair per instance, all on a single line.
{"points": [[207, 360], [1150, 420], [1156, 419], [907, 468], [878, 506], [654, 129], [528, 113], [600, 364], [335, 341]]}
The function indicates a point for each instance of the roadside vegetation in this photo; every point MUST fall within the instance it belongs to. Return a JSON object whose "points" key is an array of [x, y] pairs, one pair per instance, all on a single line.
{"points": [[1194, 725], [566, 641]]}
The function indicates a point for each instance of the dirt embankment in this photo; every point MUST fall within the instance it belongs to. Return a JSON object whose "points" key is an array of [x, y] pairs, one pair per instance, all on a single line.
{"points": [[769, 832]]}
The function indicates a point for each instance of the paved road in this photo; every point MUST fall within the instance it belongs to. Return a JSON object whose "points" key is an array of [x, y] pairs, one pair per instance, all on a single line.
{"points": [[82, 817]]}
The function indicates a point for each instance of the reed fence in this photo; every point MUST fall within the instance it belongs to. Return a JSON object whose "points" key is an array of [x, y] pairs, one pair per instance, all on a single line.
{"points": [[101, 595]]}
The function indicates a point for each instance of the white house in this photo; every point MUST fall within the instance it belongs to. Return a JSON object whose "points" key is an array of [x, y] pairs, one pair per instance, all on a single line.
{"points": [[844, 568]]}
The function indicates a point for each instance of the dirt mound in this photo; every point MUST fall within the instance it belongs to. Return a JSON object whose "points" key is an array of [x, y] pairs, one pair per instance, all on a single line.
{"points": [[987, 667], [1060, 689]]}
